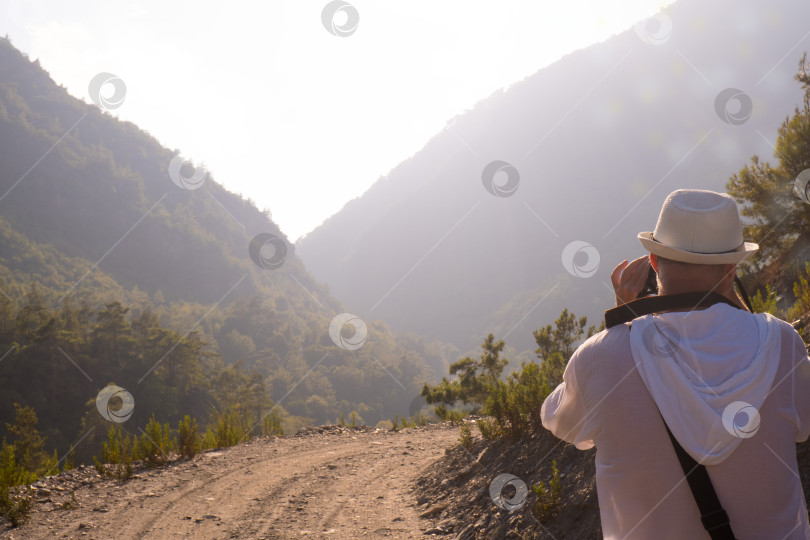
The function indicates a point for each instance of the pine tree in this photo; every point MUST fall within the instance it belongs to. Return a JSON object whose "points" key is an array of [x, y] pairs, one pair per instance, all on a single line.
{"points": [[566, 332], [113, 332], [28, 443], [777, 220], [474, 378]]}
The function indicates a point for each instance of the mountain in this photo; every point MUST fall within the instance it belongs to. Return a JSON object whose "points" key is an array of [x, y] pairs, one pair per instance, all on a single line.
{"points": [[140, 269], [593, 144]]}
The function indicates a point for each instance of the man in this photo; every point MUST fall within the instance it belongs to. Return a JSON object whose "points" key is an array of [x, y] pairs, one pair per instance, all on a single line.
{"points": [[733, 387]]}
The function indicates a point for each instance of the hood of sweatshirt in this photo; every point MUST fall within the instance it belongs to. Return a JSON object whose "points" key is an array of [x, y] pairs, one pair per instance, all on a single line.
{"points": [[709, 371]]}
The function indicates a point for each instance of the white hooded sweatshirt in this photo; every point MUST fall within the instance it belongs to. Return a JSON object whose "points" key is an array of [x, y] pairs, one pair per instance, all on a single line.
{"points": [[734, 389], [709, 374]]}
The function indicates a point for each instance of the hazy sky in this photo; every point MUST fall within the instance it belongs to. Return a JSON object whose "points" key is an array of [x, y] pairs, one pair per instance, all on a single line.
{"points": [[283, 111]]}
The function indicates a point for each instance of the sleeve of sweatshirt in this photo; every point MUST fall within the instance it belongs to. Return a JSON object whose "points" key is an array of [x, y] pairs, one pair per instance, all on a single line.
{"points": [[563, 412], [801, 386]]}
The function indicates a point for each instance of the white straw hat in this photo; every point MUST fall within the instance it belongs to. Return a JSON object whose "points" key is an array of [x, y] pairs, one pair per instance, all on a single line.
{"points": [[699, 227]]}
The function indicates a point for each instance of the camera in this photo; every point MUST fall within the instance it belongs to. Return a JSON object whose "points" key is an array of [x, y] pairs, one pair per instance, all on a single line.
{"points": [[650, 286]]}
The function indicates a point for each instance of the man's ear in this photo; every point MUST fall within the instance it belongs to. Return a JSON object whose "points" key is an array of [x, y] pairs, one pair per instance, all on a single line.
{"points": [[728, 277], [654, 262]]}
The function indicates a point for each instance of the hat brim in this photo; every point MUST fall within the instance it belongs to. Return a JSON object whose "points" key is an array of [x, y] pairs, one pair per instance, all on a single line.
{"points": [[675, 254]]}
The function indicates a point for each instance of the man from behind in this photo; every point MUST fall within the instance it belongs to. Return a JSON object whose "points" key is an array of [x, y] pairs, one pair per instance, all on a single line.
{"points": [[732, 386]]}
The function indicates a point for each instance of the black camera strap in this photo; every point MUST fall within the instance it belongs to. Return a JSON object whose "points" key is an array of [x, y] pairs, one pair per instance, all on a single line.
{"points": [[712, 515], [655, 304]]}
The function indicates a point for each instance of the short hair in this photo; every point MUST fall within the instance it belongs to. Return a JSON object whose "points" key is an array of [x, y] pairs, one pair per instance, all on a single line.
{"points": [[712, 269]]}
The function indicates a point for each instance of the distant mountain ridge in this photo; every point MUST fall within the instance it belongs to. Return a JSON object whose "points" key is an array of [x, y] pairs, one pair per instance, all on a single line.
{"points": [[94, 214], [96, 177], [598, 139]]}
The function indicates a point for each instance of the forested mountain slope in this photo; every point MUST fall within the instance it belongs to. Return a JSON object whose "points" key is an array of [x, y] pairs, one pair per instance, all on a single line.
{"points": [[121, 264], [596, 141]]}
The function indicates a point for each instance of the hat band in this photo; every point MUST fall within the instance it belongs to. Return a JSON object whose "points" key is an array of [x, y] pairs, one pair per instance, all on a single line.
{"points": [[700, 252]]}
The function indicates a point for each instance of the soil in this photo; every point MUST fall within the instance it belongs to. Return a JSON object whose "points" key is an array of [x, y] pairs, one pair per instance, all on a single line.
{"points": [[327, 482], [458, 487], [336, 483]]}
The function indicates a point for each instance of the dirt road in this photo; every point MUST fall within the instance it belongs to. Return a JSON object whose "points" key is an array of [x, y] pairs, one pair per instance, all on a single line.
{"points": [[342, 485]]}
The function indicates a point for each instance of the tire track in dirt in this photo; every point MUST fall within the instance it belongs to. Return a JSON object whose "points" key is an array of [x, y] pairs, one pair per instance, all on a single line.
{"points": [[233, 497], [332, 495], [363, 493], [354, 484], [237, 483]]}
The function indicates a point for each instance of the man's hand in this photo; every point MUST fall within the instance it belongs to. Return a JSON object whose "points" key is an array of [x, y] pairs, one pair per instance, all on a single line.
{"points": [[628, 279]]}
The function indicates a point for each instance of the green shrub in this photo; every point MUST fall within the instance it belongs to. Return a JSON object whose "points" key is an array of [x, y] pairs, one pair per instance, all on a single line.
{"points": [[420, 419], [116, 451], [354, 419], [271, 425], [188, 438], [13, 507], [70, 461], [441, 411], [48, 465], [488, 429], [465, 437], [454, 416], [400, 422], [801, 289], [515, 404], [549, 498], [231, 428], [209, 440], [156, 443], [767, 304]]}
